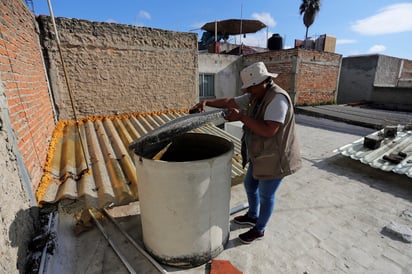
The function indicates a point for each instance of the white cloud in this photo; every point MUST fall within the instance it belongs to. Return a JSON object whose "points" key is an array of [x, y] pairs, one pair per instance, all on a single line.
{"points": [[110, 21], [139, 24], [391, 19], [377, 49], [144, 14], [254, 39], [265, 17], [345, 41]]}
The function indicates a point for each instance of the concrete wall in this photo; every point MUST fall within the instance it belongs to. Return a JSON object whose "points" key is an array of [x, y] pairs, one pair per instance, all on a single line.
{"points": [[310, 76], [226, 69], [378, 79], [116, 69], [356, 78], [392, 88]]}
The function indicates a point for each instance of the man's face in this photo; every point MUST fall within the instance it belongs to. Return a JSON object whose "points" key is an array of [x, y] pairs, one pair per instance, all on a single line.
{"points": [[257, 92]]}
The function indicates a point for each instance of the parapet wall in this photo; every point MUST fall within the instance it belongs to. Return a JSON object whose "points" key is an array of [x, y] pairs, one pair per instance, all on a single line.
{"points": [[26, 125], [25, 85], [381, 80], [117, 69]]}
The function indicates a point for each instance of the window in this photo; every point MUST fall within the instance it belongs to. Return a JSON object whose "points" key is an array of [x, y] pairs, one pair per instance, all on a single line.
{"points": [[206, 85]]}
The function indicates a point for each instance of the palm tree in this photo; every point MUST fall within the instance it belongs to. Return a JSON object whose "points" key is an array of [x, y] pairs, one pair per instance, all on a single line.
{"points": [[309, 8]]}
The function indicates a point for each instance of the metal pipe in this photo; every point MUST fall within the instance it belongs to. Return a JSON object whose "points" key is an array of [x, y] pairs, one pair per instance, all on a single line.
{"points": [[67, 82], [153, 261], [122, 258], [215, 31], [238, 208], [241, 23]]}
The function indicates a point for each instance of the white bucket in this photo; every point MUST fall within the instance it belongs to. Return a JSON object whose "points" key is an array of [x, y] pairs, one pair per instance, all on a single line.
{"points": [[185, 199]]}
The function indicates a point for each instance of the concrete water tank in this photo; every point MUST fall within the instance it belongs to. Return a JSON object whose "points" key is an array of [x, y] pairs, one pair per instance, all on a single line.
{"points": [[185, 199]]}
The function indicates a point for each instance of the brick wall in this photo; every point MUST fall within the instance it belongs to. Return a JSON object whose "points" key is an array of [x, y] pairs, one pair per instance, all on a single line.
{"points": [[406, 72], [310, 76], [116, 69], [25, 85]]}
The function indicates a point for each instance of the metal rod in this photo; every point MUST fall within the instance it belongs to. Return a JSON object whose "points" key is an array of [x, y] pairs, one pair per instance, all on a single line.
{"points": [[122, 258], [238, 208], [215, 31], [162, 152], [67, 82], [241, 26], [153, 261]]}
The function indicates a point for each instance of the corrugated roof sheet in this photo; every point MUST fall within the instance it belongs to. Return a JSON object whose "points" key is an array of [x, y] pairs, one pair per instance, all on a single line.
{"points": [[401, 144], [111, 178]]}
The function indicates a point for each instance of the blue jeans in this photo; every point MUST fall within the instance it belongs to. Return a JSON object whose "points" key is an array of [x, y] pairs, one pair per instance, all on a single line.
{"points": [[261, 197]]}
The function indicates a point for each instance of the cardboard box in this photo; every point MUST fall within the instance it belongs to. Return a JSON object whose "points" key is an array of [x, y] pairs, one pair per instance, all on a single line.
{"points": [[325, 43], [330, 43]]}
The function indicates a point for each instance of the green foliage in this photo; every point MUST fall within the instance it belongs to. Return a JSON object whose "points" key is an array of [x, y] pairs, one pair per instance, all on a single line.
{"points": [[309, 9], [310, 6]]}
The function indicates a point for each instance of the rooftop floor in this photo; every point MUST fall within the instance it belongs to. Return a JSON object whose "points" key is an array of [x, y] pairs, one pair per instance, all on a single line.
{"points": [[329, 218], [360, 115]]}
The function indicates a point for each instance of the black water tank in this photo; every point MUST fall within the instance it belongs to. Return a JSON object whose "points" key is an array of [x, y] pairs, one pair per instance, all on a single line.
{"points": [[275, 42]]}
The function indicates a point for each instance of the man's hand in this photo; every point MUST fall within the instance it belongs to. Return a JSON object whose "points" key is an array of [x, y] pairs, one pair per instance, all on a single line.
{"points": [[199, 107], [233, 114]]}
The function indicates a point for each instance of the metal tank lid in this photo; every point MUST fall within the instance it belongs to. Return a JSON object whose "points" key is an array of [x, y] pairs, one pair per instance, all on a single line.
{"points": [[161, 136]]}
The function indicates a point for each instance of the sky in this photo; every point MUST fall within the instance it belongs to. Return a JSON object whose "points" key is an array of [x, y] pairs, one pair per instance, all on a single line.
{"points": [[360, 27]]}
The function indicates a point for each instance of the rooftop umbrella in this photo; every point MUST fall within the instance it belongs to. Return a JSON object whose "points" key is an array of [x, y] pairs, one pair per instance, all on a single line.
{"points": [[234, 26]]}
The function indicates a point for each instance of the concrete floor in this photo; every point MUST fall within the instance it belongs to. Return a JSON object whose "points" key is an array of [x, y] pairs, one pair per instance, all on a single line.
{"points": [[329, 218]]}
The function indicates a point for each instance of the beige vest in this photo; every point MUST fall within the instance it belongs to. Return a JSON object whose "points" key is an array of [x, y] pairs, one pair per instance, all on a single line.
{"points": [[278, 156]]}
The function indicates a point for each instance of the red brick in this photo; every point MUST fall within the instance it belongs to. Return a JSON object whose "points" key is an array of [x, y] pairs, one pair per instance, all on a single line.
{"points": [[22, 75]]}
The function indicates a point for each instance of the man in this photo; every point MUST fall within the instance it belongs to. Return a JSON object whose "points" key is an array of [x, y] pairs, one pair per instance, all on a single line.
{"points": [[269, 142]]}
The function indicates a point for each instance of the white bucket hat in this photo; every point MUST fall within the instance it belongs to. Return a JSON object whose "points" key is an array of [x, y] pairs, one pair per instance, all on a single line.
{"points": [[255, 74]]}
